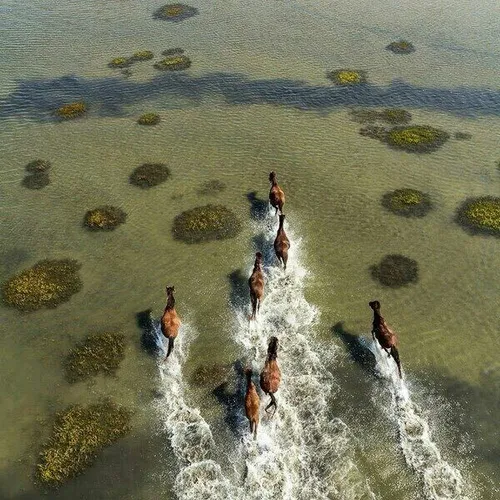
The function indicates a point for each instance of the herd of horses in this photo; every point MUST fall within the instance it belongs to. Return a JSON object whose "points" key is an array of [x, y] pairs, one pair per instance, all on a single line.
{"points": [[270, 376]]}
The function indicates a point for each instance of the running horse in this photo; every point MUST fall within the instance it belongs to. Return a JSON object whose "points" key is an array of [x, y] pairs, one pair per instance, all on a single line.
{"points": [[170, 321], [384, 335], [270, 377], [252, 403], [276, 194], [256, 284], [282, 243]]}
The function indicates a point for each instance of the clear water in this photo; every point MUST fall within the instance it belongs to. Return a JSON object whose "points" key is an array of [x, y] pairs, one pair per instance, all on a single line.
{"points": [[256, 99]]}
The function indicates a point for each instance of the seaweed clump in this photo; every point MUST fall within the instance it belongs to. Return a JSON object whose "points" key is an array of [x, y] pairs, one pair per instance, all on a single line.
{"points": [[38, 166], [99, 353], [416, 138], [36, 181], [142, 55], [347, 77], [71, 111], [401, 47], [149, 175], [173, 52], [120, 62], [78, 435], [463, 136], [105, 218], [212, 187], [149, 119], [480, 215], [173, 63], [47, 284], [175, 12], [206, 223], [393, 116], [407, 202], [395, 271]]}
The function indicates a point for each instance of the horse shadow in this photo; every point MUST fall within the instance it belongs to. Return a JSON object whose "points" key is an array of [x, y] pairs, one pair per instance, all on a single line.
{"points": [[258, 207], [151, 341], [238, 293]]}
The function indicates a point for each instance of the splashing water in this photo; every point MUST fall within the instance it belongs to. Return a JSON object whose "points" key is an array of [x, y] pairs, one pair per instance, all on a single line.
{"points": [[441, 480], [303, 452]]}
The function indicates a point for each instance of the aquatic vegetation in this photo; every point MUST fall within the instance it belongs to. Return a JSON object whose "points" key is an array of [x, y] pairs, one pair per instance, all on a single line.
{"points": [[71, 111], [99, 353], [105, 218], [149, 175], [47, 284], [173, 63], [416, 138], [206, 223], [212, 187], [173, 52], [401, 47], [347, 76], [374, 131], [36, 181], [78, 435], [394, 116], [395, 271], [149, 119], [175, 12], [214, 375], [463, 136], [480, 215], [142, 55], [38, 166], [407, 202], [120, 62]]}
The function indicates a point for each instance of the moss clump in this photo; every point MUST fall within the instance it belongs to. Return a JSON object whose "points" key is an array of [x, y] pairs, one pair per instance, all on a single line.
{"points": [[78, 435], [480, 215], [100, 353], [395, 271], [176, 51], [36, 181], [149, 119], [407, 202], [375, 132], [149, 175], [207, 223], [142, 55], [401, 47], [105, 218], [347, 77], [71, 111], [120, 62], [37, 166], [463, 136], [173, 63], [394, 116], [175, 12], [416, 138], [211, 187], [47, 284]]}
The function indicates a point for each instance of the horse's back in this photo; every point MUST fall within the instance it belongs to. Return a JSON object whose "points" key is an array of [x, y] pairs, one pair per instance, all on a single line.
{"points": [[170, 324], [270, 377]]}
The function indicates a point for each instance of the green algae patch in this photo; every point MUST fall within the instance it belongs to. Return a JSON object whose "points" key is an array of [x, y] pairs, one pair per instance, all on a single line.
{"points": [[71, 111], [149, 119], [45, 285], [142, 55], [173, 63], [79, 434], [416, 138], [401, 47], [38, 166], [395, 271], [407, 202], [211, 188], [105, 218], [175, 51], [480, 215], [206, 223], [149, 175], [393, 116], [120, 62], [347, 77], [175, 12], [99, 353], [38, 180]]}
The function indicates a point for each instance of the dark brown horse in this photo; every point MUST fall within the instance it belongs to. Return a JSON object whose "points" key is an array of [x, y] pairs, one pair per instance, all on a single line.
{"points": [[276, 195], [256, 284], [252, 403], [385, 336], [270, 377], [170, 321], [282, 243]]}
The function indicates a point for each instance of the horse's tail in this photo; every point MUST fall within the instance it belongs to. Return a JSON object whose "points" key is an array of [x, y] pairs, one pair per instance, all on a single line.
{"points": [[253, 298], [170, 345], [284, 258], [395, 355]]}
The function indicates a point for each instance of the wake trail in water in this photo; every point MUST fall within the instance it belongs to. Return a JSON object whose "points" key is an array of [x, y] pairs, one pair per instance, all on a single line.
{"points": [[303, 452], [441, 480], [199, 477]]}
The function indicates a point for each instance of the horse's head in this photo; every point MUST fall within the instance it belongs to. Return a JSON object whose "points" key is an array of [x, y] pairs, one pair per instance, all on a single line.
{"points": [[272, 348], [248, 373], [375, 305], [258, 258], [272, 177], [282, 219], [170, 290]]}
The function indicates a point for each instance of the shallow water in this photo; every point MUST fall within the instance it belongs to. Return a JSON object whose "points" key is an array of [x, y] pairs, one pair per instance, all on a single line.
{"points": [[255, 99]]}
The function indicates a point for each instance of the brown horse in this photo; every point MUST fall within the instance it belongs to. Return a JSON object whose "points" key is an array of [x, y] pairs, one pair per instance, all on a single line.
{"points": [[282, 243], [170, 321], [385, 336], [270, 377], [256, 284], [252, 403], [276, 195]]}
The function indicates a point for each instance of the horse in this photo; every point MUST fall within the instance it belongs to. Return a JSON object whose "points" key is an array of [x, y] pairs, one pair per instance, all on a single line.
{"points": [[276, 194], [170, 321], [256, 284], [384, 335], [282, 243], [252, 403], [270, 376]]}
